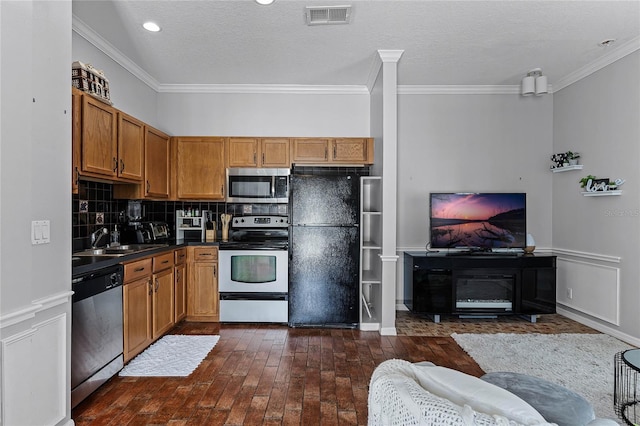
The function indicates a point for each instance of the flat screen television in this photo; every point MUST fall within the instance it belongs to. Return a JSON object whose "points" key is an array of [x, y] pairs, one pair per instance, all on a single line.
{"points": [[478, 221]]}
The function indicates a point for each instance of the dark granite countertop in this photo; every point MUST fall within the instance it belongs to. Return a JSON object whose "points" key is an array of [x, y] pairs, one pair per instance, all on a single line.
{"points": [[86, 264]]}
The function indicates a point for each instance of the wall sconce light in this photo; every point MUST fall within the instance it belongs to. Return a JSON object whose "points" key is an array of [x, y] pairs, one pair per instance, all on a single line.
{"points": [[534, 82]]}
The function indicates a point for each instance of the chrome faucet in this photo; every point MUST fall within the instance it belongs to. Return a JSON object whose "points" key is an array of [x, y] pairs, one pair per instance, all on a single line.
{"points": [[97, 236]]}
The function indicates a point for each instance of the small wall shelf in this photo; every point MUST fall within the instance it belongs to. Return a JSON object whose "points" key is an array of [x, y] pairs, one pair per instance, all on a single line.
{"points": [[602, 193], [567, 168]]}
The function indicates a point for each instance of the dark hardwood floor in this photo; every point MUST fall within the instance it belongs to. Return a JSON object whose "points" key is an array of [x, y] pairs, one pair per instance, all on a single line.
{"points": [[273, 375]]}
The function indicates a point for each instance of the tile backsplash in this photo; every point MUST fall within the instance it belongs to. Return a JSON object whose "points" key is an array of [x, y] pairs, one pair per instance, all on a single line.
{"points": [[94, 198]]}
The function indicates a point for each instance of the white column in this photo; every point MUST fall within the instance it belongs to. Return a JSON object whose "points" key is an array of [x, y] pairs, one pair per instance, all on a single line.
{"points": [[389, 257]]}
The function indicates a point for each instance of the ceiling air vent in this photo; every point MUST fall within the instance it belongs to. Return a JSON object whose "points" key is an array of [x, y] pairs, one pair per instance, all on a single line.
{"points": [[327, 15]]}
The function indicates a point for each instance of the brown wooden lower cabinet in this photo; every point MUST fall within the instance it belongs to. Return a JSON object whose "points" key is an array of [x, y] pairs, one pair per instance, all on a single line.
{"points": [[137, 307], [148, 301], [202, 284], [180, 277]]}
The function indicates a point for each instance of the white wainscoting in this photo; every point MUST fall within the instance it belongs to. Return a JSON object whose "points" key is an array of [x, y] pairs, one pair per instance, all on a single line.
{"points": [[587, 285], [35, 373]]}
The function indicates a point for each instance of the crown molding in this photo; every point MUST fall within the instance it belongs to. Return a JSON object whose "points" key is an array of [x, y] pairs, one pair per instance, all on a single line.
{"points": [[390, 55], [618, 53], [263, 89], [84, 31], [458, 90], [374, 71]]}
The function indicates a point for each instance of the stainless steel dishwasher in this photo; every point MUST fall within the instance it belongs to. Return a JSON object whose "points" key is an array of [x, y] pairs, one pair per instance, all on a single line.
{"points": [[96, 330]]}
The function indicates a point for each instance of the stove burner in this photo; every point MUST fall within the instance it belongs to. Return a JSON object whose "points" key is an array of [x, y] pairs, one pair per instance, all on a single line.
{"points": [[258, 233]]}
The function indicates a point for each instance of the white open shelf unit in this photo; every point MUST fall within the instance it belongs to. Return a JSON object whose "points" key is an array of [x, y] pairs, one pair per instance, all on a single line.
{"points": [[370, 250], [567, 168]]}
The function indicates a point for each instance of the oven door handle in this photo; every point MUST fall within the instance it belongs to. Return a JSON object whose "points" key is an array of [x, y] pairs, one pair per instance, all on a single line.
{"points": [[254, 296]]}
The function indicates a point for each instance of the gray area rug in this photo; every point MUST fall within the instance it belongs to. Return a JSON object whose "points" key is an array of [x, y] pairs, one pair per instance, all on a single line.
{"points": [[580, 362], [171, 356]]}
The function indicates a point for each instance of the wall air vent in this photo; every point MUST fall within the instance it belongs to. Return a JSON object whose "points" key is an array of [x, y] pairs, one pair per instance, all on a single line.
{"points": [[327, 15]]}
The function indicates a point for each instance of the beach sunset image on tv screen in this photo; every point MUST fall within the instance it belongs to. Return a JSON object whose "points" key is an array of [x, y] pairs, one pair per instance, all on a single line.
{"points": [[478, 220]]}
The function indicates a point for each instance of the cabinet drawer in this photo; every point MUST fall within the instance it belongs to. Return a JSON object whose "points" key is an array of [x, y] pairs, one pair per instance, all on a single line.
{"points": [[180, 256], [205, 253], [137, 269], [162, 261]]}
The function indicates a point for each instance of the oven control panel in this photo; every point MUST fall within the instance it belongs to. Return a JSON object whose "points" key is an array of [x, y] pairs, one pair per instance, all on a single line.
{"points": [[260, 222]]}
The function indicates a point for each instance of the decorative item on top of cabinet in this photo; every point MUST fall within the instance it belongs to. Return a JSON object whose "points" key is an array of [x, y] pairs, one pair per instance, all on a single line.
{"points": [[328, 151], [198, 171], [258, 152], [202, 284]]}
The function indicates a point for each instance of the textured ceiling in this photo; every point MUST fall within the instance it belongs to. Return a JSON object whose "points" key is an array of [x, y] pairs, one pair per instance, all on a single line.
{"points": [[444, 42]]}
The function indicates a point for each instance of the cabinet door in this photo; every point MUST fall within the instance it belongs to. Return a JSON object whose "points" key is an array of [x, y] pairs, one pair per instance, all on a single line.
{"points": [[76, 137], [130, 147], [352, 151], [200, 171], [242, 152], [163, 302], [275, 152], [537, 291], [307, 150], [203, 292], [99, 138], [156, 164], [137, 316], [180, 292]]}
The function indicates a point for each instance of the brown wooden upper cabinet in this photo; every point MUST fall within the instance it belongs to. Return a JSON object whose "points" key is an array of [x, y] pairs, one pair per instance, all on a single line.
{"points": [[258, 152], [99, 139], [76, 137], [157, 169], [332, 151], [130, 147], [199, 171], [157, 161], [110, 143]]}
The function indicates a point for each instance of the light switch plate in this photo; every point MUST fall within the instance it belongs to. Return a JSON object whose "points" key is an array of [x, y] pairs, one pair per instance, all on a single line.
{"points": [[40, 232]]}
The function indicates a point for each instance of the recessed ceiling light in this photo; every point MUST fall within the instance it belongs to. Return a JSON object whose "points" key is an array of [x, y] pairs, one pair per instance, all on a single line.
{"points": [[264, 2], [607, 42], [151, 26]]}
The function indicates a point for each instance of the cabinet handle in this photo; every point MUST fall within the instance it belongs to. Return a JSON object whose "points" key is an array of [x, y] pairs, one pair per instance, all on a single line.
{"points": [[148, 186], [178, 276], [334, 150], [77, 175], [150, 288], [121, 165], [222, 189], [157, 285], [139, 269], [165, 261], [255, 159], [115, 164], [205, 254], [263, 158], [326, 151], [215, 271]]}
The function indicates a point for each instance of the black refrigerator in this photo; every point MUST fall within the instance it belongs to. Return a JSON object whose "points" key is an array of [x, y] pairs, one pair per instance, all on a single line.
{"points": [[324, 260]]}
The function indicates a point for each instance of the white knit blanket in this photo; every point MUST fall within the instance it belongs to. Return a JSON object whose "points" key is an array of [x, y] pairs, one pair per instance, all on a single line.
{"points": [[398, 396]]}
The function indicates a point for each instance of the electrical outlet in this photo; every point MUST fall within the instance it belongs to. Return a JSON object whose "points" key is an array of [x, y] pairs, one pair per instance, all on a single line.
{"points": [[569, 293]]}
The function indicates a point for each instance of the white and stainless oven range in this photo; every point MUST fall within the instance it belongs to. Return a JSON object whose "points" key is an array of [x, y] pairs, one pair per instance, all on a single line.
{"points": [[254, 270]]}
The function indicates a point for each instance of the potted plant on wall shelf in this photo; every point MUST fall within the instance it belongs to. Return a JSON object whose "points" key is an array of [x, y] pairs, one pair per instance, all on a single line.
{"points": [[585, 180], [573, 157]]}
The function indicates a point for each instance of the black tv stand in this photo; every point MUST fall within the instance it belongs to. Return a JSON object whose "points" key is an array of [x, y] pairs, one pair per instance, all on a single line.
{"points": [[479, 284]]}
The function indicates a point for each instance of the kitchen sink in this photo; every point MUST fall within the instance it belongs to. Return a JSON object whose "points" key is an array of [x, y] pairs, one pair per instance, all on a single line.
{"points": [[119, 250]]}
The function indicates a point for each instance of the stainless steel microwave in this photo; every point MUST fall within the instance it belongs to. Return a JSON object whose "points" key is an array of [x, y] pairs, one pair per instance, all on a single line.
{"points": [[256, 185]]}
